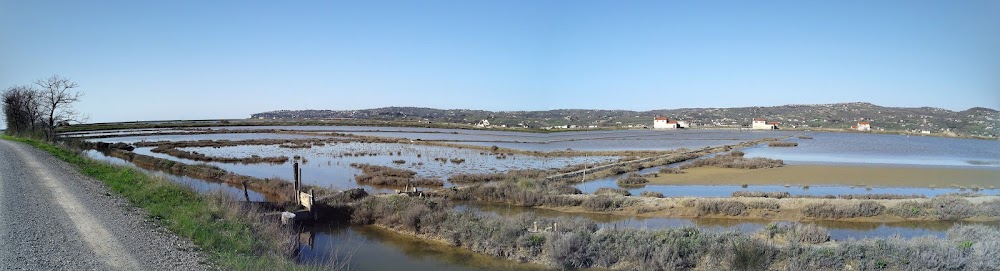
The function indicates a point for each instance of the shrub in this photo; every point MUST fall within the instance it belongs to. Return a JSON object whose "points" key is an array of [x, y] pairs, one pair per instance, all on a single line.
{"points": [[809, 233], [382, 175], [563, 189], [612, 191], [604, 203], [763, 204], [839, 210], [721, 207], [670, 170], [760, 194], [477, 178], [735, 159], [951, 208], [616, 170], [651, 194], [571, 250], [879, 196], [632, 180], [990, 208], [750, 254]]}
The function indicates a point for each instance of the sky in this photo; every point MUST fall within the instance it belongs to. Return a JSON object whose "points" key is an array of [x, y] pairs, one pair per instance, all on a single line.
{"points": [[161, 60]]}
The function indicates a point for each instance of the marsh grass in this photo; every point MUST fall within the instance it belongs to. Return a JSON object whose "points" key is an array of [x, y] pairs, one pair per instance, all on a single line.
{"points": [[782, 144], [389, 176], [632, 180], [609, 191], [735, 159], [651, 194], [842, 209]]}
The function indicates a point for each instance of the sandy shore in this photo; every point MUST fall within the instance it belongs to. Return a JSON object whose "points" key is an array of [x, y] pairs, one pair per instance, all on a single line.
{"points": [[836, 175]]}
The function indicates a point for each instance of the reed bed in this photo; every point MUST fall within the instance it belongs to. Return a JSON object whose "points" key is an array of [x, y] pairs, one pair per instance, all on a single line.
{"points": [[632, 180], [388, 176], [782, 144], [735, 159]]}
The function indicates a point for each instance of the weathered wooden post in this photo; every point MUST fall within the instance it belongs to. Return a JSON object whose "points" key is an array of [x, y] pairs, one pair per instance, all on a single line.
{"points": [[295, 179], [246, 195], [312, 204]]}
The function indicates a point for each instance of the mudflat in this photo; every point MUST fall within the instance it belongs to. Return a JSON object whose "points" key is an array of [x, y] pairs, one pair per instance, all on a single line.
{"points": [[837, 175]]}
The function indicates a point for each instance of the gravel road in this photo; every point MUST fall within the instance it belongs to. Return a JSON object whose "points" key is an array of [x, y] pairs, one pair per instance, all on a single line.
{"points": [[54, 218]]}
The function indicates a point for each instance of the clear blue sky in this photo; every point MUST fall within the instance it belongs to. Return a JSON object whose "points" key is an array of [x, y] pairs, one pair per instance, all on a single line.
{"points": [[143, 60]]}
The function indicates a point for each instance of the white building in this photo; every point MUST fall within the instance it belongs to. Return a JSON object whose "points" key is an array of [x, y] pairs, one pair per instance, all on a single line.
{"points": [[663, 123], [862, 126], [763, 124], [683, 124], [483, 123]]}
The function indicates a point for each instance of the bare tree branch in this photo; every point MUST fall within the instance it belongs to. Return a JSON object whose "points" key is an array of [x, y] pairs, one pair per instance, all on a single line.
{"points": [[57, 97]]}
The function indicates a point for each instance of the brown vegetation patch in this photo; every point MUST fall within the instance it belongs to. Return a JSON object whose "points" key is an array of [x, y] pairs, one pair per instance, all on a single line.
{"points": [[609, 191], [720, 207], [735, 159], [843, 209], [388, 176], [191, 155], [782, 144], [632, 180], [760, 194]]}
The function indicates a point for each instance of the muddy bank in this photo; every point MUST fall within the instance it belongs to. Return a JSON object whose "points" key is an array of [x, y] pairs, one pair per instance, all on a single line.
{"points": [[835, 175]]}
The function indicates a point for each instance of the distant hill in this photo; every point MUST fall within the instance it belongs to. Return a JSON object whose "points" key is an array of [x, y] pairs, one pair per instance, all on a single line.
{"points": [[976, 121]]}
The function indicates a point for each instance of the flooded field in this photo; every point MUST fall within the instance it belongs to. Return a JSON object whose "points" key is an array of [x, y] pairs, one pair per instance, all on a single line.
{"points": [[546, 142], [860, 148], [195, 137], [328, 165]]}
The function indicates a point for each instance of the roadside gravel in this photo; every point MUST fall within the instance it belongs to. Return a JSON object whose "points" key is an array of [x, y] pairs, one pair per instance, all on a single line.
{"points": [[52, 217]]}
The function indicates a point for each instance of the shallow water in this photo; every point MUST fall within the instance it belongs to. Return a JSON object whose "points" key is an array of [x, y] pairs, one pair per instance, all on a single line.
{"points": [[200, 186], [328, 166], [369, 248], [597, 140], [861, 148], [815, 190], [194, 137]]}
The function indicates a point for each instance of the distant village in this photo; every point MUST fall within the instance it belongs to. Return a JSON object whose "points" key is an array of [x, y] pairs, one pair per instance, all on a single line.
{"points": [[667, 123]]}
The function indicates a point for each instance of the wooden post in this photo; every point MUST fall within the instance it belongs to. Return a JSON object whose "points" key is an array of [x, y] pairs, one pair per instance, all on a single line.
{"points": [[295, 177], [245, 194], [312, 204]]}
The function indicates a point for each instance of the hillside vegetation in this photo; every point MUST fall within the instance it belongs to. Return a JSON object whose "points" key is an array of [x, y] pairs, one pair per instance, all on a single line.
{"points": [[976, 121]]}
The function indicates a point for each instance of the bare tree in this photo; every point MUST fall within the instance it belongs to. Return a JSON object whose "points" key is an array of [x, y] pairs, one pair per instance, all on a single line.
{"points": [[57, 98], [22, 110]]}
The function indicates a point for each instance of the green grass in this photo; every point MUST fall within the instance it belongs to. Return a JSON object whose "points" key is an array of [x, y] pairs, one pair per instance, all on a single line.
{"points": [[229, 242]]}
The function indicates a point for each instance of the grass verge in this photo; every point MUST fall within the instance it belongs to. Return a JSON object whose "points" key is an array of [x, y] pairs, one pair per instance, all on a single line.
{"points": [[231, 242]]}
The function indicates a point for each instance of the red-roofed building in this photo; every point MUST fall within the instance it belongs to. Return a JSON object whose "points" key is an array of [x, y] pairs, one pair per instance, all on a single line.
{"points": [[862, 126], [666, 123], [762, 124]]}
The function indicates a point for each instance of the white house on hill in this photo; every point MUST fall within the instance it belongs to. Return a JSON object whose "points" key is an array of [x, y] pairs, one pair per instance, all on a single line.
{"points": [[666, 123], [483, 123], [762, 124], [862, 126], [663, 123]]}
